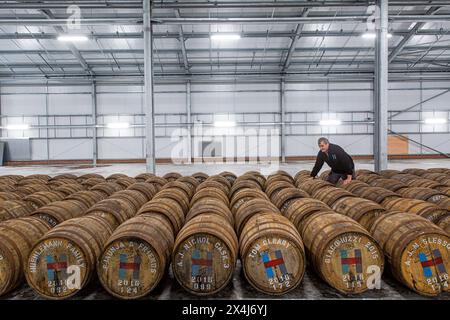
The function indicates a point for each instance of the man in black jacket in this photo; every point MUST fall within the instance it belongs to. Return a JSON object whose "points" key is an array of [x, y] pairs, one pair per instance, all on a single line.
{"points": [[341, 164]]}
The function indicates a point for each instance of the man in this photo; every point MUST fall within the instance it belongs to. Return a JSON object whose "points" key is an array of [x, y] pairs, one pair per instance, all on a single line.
{"points": [[341, 164]]}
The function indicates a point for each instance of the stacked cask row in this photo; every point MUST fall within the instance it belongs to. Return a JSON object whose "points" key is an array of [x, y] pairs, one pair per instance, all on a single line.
{"points": [[205, 250], [418, 251], [137, 255], [64, 260], [270, 248]]}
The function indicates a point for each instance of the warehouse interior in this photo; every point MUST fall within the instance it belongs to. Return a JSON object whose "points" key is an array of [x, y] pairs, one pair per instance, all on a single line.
{"points": [[133, 87]]}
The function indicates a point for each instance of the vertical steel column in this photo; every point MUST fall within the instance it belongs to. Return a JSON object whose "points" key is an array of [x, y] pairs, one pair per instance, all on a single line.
{"points": [[282, 120], [94, 123], [381, 88], [189, 121], [148, 90], [47, 142]]}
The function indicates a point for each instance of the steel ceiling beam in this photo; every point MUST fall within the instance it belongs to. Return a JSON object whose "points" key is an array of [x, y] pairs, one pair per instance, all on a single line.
{"points": [[182, 43], [293, 45]]}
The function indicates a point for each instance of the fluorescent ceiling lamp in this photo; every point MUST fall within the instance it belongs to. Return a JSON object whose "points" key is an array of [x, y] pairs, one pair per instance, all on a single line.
{"points": [[435, 121], [373, 35], [224, 124], [330, 122], [118, 125], [72, 37], [225, 37], [17, 127]]}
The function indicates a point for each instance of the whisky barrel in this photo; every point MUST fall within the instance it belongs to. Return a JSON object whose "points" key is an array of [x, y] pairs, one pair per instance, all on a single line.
{"points": [[157, 181], [444, 223], [355, 186], [364, 211], [8, 188], [272, 254], [39, 199], [302, 173], [17, 236], [32, 188], [377, 194], [324, 175], [11, 209], [15, 177], [419, 207], [89, 198], [389, 173], [4, 196], [86, 176], [135, 198], [369, 178], [230, 176], [442, 178], [107, 188], [60, 211], [115, 211], [210, 193], [31, 181], [300, 209], [68, 189], [390, 184], [89, 183], [113, 177], [414, 171], [425, 194], [125, 182], [136, 256], [330, 195], [74, 246], [404, 177], [172, 176], [341, 251], [259, 179], [143, 176], [191, 182], [243, 184], [251, 208], [302, 178], [271, 180], [175, 194], [418, 251], [53, 184], [146, 189], [364, 172], [183, 187], [283, 199], [167, 207], [200, 176], [205, 254], [312, 186], [424, 183], [208, 184], [245, 195], [280, 173], [220, 179], [210, 206], [444, 203], [438, 170], [444, 190], [274, 188]]}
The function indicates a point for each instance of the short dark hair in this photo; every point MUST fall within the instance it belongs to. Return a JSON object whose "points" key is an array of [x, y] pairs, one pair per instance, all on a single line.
{"points": [[324, 140]]}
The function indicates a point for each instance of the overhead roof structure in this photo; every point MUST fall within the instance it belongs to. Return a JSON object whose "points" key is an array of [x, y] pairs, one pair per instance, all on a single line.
{"points": [[289, 39]]}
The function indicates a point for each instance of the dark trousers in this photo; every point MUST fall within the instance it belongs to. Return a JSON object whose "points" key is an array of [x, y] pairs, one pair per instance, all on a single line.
{"points": [[334, 177]]}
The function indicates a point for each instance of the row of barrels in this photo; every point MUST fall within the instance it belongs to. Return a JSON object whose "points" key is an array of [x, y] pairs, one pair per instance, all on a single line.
{"points": [[107, 201], [416, 249]]}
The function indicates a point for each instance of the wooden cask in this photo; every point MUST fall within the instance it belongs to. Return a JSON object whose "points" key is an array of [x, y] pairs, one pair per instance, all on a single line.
{"points": [[251, 208], [115, 211], [143, 176], [278, 178], [272, 254], [444, 224], [312, 186], [363, 211], [65, 253], [418, 251], [125, 182], [245, 195], [200, 176], [11, 209], [212, 182], [168, 207], [210, 206], [355, 186], [157, 181], [68, 189], [210, 193], [425, 194], [17, 237], [283, 199], [107, 188], [181, 186], [204, 255], [171, 176], [324, 175], [415, 171], [275, 187], [377, 194], [4, 196], [330, 195], [116, 176], [302, 173], [390, 184], [136, 256], [40, 199], [300, 209], [230, 176], [419, 207], [146, 189], [243, 184], [175, 194], [88, 198], [191, 182], [257, 177], [89, 183], [60, 211], [438, 170], [369, 178], [86, 176], [425, 183], [341, 251], [364, 172], [134, 198]]}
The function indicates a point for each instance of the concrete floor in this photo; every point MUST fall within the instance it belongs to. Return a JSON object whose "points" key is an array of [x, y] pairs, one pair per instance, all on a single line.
{"points": [[311, 288]]}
